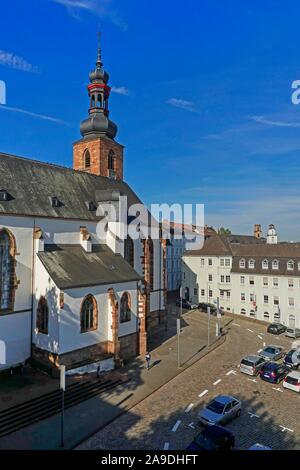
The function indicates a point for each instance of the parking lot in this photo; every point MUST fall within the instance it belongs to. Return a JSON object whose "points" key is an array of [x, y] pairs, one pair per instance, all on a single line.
{"points": [[168, 418]]}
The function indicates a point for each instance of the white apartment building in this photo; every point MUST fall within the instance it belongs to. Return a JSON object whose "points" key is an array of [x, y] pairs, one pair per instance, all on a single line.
{"points": [[252, 276]]}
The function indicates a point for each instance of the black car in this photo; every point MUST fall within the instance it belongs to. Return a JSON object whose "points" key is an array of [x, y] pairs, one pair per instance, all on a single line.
{"points": [[276, 328], [273, 372], [213, 438], [204, 306], [186, 304]]}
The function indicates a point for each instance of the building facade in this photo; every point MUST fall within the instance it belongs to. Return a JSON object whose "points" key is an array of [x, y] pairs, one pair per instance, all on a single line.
{"points": [[68, 295], [252, 276]]}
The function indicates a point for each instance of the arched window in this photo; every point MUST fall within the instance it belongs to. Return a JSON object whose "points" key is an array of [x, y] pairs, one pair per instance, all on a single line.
{"points": [[87, 159], [275, 264], [242, 263], [93, 101], [243, 311], [89, 314], [265, 264], [290, 265], [42, 316], [266, 315], [252, 313], [129, 250], [251, 264], [150, 277], [125, 308], [99, 101], [111, 160], [7, 269]]}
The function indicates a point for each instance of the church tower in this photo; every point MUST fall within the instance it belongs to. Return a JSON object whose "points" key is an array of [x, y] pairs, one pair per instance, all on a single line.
{"points": [[97, 152]]}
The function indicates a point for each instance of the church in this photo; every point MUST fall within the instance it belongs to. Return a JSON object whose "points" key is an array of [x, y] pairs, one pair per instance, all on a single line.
{"points": [[67, 296]]}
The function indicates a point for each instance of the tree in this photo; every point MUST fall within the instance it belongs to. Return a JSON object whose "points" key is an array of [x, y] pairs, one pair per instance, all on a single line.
{"points": [[224, 231]]}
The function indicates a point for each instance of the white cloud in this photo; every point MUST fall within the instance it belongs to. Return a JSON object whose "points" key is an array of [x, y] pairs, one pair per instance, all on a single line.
{"points": [[120, 90], [9, 59], [180, 103], [35, 115], [101, 8], [269, 122]]}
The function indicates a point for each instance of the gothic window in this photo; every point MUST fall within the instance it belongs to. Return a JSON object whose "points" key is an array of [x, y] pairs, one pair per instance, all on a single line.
{"points": [[42, 316], [129, 250], [87, 159], [125, 309], [151, 263], [88, 314], [111, 160], [7, 270]]}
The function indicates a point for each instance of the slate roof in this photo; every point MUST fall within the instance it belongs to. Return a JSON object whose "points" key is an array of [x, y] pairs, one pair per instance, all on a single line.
{"points": [[70, 266], [31, 185]]}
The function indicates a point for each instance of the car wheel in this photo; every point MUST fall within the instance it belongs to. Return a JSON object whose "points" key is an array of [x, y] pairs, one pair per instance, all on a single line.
{"points": [[238, 414]]}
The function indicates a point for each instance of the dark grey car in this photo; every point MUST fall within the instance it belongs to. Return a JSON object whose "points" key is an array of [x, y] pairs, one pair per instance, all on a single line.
{"points": [[272, 353]]}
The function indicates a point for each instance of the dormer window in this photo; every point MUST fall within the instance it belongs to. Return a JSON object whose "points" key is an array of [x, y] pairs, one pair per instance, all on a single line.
{"points": [[275, 264], [242, 263], [251, 264], [92, 206], [290, 265], [55, 202], [4, 196], [265, 264]]}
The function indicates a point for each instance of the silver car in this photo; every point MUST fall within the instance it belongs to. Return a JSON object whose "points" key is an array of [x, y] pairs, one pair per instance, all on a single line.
{"points": [[292, 333], [220, 410], [251, 365], [272, 353], [292, 381]]}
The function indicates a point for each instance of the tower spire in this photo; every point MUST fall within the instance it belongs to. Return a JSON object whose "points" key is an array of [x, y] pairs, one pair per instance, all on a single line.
{"points": [[99, 61]]}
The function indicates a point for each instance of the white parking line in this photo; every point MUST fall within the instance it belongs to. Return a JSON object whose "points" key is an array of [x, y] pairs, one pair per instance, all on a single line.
{"points": [[203, 393], [252, 415], [191, 425], [189, 408], [218, 381], [286, 429], [277, 389], [259, 350], [231, 372], [176, 426], [251, 331], [236, 324], [166, 446], [253, 380], [260, 337]]}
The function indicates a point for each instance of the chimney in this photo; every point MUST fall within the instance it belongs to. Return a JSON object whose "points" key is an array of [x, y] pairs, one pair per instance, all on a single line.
{"points": [[85, 239], [257, 231]]}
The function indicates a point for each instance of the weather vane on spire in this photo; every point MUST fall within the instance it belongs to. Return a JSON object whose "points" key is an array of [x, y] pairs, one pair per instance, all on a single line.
{"points": [[99, 49]]}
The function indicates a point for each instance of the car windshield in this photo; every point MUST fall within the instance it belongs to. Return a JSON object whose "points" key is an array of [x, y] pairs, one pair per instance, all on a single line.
{"points": [[205, 442], [290, 330], [245, 362], [216, 407], [291, 352], [270, 350]]}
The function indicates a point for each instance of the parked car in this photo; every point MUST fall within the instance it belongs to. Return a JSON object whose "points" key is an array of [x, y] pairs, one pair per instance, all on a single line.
{"points": [[204, 306], [276, 328], [213, 438], [272, 353], [292, 381], [220, 410], [292, 333], [273, 372], [186, 304], [258, 446], [292, 359], [251, 365]]}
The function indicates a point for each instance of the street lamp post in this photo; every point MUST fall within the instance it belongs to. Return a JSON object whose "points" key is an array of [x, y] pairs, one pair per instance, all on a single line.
{"points": [[208, 327], [63, 388]]}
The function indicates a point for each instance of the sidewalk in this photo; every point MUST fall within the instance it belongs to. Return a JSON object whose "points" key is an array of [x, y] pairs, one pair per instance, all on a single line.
{"points": [[85, 419]]}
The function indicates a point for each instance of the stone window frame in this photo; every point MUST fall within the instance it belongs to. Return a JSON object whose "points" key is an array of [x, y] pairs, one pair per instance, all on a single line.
{"points": [[125, 317], [91, 323], [265, 264], [12, 277], [251, 263], [242, 263], [290, 265], [42, 316], [275, 264], [129, 250], [86, 159]]}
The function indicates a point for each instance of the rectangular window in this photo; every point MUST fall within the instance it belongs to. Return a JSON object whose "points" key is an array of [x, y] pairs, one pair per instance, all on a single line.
{"points": [[251, 281], [222, 262], [252, 297], [266, 299], [195, 291], [210, 277], [222, 278], [227, 278], [209, 262], [243, 297], [222, 294], [228, 294], [291, 283], [275, 282], [276, 300], [227, 262], [202, 292], [265, 282], [210, 293], [202, 262], [242, 280], [291, 302]]}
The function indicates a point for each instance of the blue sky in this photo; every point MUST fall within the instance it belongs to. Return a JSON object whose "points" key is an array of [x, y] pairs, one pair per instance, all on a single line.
{"points": [[202, 97]]}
